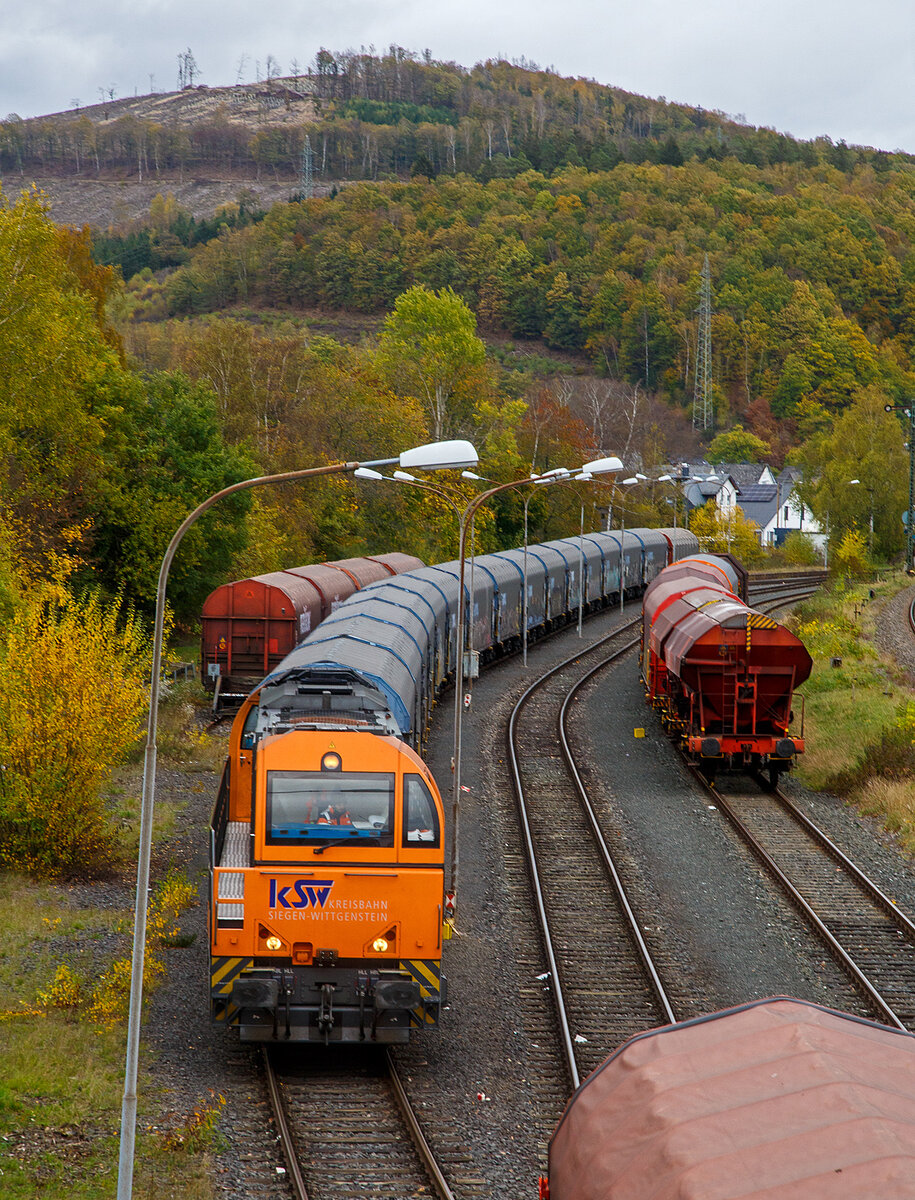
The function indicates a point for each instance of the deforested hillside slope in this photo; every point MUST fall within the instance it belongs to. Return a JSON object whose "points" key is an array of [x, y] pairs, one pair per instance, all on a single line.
{"points": [[356, 116]]}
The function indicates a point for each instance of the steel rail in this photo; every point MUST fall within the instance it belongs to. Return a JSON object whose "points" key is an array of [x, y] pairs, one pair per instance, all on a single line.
{"points": [[835, 946], [527, 834], [287, 1142], [904, 923], [419, 1138], [644, 952]]}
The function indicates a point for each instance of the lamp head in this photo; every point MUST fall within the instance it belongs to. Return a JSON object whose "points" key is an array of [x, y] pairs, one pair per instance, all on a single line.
{"points": [[440, 456], [602, 466], [367, 473], [404, 476]]}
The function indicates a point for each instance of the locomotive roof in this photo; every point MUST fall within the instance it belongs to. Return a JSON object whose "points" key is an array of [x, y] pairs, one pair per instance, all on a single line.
{"points": [[779, 1098]]}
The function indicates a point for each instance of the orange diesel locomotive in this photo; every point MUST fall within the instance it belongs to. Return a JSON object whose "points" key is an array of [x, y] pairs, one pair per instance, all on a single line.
{"points": [[326, 907]]}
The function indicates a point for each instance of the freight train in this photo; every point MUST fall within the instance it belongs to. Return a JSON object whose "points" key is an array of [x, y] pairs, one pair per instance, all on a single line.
{"points": [[250, 625], [327, 912], [721, 675], [775, 1100]]}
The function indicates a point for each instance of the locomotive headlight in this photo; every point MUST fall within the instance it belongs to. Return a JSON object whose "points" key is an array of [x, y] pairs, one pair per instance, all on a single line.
{"points": [[273, 942], [380, 945], [331, 762]]}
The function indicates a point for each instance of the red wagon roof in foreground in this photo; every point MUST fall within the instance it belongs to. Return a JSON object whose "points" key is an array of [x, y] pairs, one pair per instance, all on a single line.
{"points": [[778, 1100]]}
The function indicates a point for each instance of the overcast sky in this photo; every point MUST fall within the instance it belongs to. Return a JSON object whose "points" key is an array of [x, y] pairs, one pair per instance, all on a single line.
{"points": [[805, 67]]}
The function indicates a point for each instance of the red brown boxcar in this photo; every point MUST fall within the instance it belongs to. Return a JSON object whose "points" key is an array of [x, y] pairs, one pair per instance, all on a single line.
{"points": [[250, 625], [721, 674]]}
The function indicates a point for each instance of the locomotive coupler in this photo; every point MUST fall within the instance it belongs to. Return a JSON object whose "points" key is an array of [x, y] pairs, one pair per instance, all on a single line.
{"points": [[326, 1012]]}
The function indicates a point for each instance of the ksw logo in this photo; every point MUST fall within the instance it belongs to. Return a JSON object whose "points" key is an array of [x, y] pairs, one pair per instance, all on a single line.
{"points": [[303, 893]]}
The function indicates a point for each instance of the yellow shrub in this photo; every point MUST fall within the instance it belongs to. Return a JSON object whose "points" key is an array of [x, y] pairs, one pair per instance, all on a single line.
{"points": [[199, 1130], [111, 998], [174, 894], [66, 991], [72, 695]]}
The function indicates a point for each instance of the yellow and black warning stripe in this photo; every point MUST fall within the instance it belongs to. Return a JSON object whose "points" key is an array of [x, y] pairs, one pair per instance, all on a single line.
{"points": [[224, 972], [428, 974], [757, 620]]}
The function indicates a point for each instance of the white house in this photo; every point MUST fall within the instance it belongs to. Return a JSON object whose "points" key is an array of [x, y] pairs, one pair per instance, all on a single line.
{"points": [[771, 502]]}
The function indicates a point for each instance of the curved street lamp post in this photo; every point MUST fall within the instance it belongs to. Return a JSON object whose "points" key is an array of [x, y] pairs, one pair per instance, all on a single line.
{"points": [[436, 456]]}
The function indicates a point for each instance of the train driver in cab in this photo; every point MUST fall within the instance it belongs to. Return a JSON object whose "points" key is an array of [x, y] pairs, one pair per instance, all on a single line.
{"points": [[334, 814]]}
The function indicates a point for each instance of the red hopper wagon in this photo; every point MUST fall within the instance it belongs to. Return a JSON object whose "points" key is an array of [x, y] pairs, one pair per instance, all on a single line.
{"points": [[721, 674]]}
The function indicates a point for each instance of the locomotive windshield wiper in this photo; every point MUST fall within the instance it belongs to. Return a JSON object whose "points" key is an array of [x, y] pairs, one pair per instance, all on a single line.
{"points": [[362, 837]]}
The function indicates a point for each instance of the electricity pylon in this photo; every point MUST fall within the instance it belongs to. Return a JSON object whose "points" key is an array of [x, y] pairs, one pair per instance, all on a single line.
{"points": [[703, 409]]}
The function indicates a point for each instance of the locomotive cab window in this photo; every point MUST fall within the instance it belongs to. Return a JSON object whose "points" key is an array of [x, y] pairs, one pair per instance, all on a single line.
{"points": [[248, 733], [420, 816], [308, 808]]}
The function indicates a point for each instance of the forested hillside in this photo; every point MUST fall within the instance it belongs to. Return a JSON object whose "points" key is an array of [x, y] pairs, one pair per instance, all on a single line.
{"points": [[811, 271], [508, 256]]}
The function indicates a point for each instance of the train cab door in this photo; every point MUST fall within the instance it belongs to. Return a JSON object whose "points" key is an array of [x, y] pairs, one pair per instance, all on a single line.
{"points": [[241, 755]]}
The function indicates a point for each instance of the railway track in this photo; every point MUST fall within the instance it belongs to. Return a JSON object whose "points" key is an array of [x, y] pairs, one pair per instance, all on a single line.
{"points": [[347, 1128], [604, 983], [861, 927]]}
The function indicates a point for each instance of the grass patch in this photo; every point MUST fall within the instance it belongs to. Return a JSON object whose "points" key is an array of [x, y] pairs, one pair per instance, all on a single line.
{"points": [[62, 1041], [38, 928], [839, 724], [859, 714], [892, 800], [63, 1071]]}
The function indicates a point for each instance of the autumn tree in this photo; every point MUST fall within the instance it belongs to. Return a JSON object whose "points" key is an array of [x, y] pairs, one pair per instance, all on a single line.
{"points": [[727, 533], [164, 455], [60, 371], [738, 445], [865, 444], [429, 349]]}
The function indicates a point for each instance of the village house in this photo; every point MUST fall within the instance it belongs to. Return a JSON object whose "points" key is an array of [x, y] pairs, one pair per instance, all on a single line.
{"points": [[770, 501]]}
